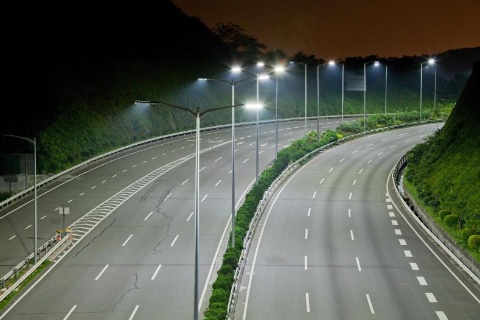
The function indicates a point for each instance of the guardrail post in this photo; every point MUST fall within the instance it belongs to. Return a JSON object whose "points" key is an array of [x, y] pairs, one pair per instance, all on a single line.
{"points": [[2, 283]]}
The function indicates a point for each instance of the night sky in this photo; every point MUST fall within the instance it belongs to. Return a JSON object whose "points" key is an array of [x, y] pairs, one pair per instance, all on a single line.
{"points": [[345, 28]]}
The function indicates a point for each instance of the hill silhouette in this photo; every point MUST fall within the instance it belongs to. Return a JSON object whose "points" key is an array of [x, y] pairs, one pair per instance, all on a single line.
{"points": [[52, 42]]}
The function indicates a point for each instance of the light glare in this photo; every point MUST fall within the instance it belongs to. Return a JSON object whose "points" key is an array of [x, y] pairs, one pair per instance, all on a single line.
{"points": [[236, 69], [431, 61], [331, 62], [254, 106]]}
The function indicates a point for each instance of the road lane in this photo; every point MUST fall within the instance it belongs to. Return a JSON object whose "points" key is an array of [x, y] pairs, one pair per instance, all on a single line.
{"points": [[378, 275], [168, 203]]}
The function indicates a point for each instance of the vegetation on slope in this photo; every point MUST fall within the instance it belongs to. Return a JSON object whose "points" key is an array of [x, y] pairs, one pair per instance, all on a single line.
{"points": [[445, 170]]}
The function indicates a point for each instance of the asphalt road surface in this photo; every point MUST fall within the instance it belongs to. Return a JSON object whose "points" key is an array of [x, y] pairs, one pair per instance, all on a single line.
{"points": [[132, 254], [335, 243]]}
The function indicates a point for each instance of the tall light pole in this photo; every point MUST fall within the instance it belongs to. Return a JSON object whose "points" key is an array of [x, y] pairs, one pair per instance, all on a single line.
{"points": [[376, 63], [430, 61], [318, 101], [305, 65], [197, 114], [35, 229], [257, 106], [278, 69], [232, 84], [386, 86], [331, 63], [259, 76]]}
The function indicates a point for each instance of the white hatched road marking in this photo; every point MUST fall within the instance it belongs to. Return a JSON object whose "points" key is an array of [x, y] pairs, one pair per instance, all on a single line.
{"points": [[103, 210]]}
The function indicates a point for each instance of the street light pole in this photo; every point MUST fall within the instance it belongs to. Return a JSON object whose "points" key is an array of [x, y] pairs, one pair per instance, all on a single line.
{"points": [[35, 229], [305, 65], [430, 61], [232, 84], [386, 85], [278, 69], [365, 92], [197, 114]]}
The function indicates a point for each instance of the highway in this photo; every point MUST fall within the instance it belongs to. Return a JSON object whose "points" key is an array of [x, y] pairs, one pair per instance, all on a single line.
{"points": [[335, 243], [132, 254]]}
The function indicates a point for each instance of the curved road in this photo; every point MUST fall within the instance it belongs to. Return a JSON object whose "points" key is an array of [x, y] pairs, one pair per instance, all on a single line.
{"points": [[132, 254], [335, 243]]}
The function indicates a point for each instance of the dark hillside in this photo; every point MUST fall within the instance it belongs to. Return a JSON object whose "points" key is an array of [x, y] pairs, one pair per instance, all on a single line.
{"points": [[446, 169], [48, 42]]}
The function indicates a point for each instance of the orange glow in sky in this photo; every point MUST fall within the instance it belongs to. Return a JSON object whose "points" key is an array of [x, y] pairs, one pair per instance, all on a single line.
{"points": [[338, 29]]}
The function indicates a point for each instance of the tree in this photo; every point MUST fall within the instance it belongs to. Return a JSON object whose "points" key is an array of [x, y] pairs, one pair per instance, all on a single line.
{"points": [[309, 59], [245, 46]]}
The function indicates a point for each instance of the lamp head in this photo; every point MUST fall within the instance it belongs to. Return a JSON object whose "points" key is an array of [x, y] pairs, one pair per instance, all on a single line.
{"points": [[236, 69], [260, 64], [279, 69], [331, 62], [263, 76], [202, 79], [376, 63], [254, 106], [431, 61]]}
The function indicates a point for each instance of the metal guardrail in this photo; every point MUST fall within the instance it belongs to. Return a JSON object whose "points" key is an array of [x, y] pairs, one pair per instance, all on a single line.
{"points": [[456, 253], [53, 243], [42, 183]]}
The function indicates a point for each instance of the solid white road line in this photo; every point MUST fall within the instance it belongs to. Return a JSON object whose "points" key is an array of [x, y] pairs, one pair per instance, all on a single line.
{"points": [[307, 299], [70, 312], [101, 272], [358, 264], [128, 239], [148, 216], [134, 311], [431, 298], [422, 281], [370, 304], [156, 271], [174, 240]]}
